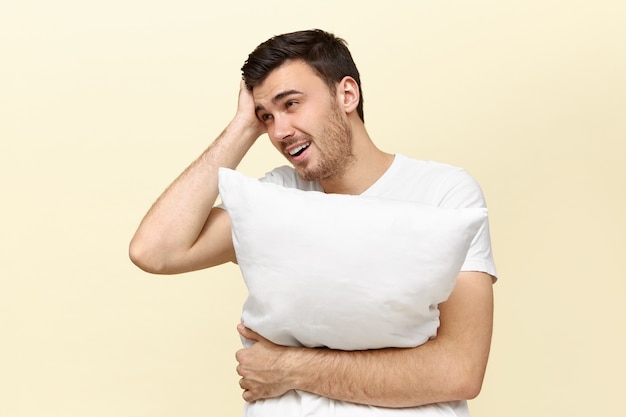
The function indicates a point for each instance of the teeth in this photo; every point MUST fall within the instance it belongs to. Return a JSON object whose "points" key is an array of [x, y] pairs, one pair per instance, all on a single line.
{"points": [[298, 149]]}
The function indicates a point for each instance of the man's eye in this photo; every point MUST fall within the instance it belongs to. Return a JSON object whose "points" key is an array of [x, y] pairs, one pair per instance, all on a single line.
{"points": [[291, 103], [266, 117]]}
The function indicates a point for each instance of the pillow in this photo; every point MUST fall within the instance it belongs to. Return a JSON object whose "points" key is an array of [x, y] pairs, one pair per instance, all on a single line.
{"points": [[341, 271]]}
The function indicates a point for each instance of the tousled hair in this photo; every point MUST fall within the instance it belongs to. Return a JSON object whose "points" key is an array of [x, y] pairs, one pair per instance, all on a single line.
{"points": [[327, 54]]}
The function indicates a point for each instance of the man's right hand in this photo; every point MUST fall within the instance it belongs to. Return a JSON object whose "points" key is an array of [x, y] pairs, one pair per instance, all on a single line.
{"points": [[246, 111]]}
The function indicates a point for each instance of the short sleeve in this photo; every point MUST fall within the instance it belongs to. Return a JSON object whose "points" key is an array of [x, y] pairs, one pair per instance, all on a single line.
{"points": [[461, 190]]}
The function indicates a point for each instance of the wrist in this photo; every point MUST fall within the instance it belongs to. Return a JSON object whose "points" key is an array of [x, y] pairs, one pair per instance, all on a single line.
{"points": [[300, 366], [244, 127]]}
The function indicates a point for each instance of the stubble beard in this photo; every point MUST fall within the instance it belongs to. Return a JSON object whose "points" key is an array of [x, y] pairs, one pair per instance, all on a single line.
{"points": [[335, 150]]}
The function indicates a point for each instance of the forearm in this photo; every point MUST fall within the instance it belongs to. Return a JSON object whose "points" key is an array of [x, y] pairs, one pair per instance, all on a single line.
{"points": [[386, 377], [175, 221]]}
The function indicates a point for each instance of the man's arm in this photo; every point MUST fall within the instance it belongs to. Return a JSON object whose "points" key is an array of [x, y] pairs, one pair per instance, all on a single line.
{"points": [[448, 368], [182, 231]]}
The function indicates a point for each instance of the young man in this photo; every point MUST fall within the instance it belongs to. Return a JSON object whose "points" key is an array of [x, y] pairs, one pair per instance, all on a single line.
{"points": [[303, 90]]}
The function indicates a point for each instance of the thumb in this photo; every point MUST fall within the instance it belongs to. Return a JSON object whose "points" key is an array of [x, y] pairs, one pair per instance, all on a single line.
{"points": [[248, 334]]}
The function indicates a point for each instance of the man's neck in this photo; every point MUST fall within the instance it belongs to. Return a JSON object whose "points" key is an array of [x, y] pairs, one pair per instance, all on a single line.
{"points": [[369, 164]]}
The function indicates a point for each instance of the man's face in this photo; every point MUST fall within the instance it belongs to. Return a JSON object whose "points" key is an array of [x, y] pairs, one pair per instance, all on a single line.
{"points": [[304, 121]]}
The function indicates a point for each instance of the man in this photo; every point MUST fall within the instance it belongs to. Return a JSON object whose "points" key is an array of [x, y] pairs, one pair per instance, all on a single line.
{"points": [[303, 90]]}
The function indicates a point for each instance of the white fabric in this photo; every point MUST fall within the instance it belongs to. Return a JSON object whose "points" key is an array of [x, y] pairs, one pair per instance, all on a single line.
{"points": [[342, 271], [427, 183], [299, 403]]}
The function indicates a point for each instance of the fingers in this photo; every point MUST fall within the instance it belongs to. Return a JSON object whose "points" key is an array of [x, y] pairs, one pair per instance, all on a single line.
{"points": [[252, 391], [246, 395], [243, 384], [246, 110], [249, 388]]}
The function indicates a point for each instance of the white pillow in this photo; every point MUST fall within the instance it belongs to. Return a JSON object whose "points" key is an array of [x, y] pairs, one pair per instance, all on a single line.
{"points": [[345, 272]]}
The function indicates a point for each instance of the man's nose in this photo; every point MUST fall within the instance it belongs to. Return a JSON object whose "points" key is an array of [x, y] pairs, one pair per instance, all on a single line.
{"points": [[282, 128]]}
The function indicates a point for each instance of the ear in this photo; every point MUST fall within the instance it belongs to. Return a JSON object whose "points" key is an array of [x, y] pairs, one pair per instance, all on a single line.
{"points": [[348, 95]]}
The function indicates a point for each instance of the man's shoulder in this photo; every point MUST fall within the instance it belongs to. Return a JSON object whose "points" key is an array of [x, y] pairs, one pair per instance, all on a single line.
{"points": [[425, 166], [426, 181], [428, 170]]}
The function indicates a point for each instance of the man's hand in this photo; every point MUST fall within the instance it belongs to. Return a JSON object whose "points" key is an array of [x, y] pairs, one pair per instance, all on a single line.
{"points": [[262, 367], [246, 111]]}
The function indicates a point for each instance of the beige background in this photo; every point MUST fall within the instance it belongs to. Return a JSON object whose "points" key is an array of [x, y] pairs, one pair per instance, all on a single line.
{"points": [[104, 103]]}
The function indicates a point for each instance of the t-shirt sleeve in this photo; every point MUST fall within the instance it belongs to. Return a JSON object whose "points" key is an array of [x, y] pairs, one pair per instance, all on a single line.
{"points": [[461, 190]]}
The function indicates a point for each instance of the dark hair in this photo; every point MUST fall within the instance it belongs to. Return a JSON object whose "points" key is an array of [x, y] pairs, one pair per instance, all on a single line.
{"points": [[327, 54]]}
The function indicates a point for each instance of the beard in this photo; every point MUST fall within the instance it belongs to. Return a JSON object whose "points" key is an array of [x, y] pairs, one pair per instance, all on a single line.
{"points": [[334, 148]]}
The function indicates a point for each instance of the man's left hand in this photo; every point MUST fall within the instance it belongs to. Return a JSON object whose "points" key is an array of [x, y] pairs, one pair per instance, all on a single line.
{"points": [[263, 367]]}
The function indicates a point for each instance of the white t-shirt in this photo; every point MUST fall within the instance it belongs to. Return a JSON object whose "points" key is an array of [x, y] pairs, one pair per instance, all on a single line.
{"points": [[409, 179]]}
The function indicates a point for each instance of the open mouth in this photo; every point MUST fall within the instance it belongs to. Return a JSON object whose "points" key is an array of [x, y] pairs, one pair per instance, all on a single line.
{"points": [[298, 150]]}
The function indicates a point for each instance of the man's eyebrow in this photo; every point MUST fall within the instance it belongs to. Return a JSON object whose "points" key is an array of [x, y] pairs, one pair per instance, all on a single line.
{"points": [[278, 97], [284, 94]]}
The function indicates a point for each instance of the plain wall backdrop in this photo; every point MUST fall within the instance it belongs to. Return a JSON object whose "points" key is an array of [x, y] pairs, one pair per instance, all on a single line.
{"points": [[103, 104]]}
